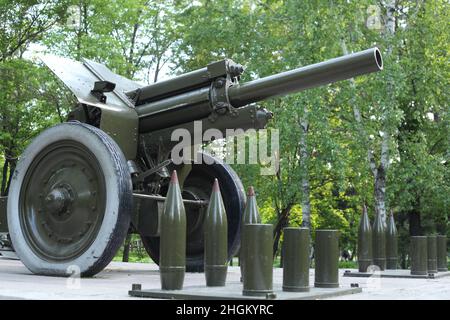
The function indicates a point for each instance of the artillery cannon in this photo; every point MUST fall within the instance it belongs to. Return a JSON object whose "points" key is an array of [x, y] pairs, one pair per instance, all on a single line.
{"points": [[80, 186]]}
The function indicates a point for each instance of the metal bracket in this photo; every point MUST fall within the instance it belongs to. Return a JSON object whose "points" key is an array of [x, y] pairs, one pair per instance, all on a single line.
{"points": [[100, 87], [162, 165], [219, 98]]}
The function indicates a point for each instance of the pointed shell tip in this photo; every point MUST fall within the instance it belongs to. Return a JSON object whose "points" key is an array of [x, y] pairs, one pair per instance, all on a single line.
{"points": [[174, 178], [216, 185]]}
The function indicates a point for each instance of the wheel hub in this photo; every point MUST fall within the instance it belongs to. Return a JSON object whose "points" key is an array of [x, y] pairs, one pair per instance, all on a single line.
{"points": [[62, 201], [57, 202]]}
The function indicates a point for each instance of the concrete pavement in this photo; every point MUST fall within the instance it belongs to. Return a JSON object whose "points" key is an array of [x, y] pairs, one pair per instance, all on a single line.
{"points": [[16, 282]]}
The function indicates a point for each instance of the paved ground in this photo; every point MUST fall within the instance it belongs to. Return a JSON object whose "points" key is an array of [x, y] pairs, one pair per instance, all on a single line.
{"points": [[16, 282]]}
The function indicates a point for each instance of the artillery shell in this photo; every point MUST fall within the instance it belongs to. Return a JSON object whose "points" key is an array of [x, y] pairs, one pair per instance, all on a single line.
{"points": [[250, 216], [379, 242], [257, 254], [418, 255], [172, 263], [327, 259], [391, 244], [432, 254], [442, 253], [296, 259], [365, 257], [216, 243]]}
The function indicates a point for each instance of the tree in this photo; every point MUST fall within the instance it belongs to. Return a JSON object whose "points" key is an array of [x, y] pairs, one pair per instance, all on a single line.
{"points": [[133, 38], [25, 21], [21, 23]]}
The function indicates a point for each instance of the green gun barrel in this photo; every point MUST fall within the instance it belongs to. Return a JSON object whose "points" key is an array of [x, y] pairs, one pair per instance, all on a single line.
{"points": [[296, 259], [307, 77], [327, 259], [442, 253], [196, 95], [418, 255], [432, 254], [257, 254]]}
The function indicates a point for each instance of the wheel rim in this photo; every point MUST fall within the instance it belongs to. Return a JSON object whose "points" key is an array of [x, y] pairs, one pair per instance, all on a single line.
{"points": [[195, 216], [62, 201]]}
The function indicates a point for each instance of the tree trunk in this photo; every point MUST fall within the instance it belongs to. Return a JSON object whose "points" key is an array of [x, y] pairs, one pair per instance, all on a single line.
{"points": [[283, 221], [126, 248], [415, 228], [4, 178], [380, 192], [304, 162], [12, 167]]}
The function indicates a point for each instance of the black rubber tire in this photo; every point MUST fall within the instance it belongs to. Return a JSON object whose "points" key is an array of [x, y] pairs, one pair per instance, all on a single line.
{"points": [[234, 198], [117, 214]]}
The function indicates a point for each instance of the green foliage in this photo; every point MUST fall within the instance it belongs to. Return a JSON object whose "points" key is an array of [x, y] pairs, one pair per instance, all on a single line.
{"points": [[407, 102]]}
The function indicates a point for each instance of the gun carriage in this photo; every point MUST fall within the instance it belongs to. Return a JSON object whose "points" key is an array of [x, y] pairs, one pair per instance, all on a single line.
{"points": [[80, 186]]}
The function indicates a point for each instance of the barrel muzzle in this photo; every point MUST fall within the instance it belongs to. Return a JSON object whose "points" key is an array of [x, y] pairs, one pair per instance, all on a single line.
{"points": [[307, 77]]}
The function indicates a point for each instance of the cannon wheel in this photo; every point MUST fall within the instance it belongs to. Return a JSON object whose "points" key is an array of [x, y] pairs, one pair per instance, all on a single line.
{"points": [[198, 185], [70, 201]]}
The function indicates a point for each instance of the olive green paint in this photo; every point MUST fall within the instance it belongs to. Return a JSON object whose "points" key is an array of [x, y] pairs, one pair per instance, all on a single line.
{"points": [[391, 243], [365, 255], [216, 248], [250, 216], [296, 261], [327, 259], [441, 244], [172, 263], [257, 255], [418, 255], [122, 125], [55, 186], [130, 113], [251, 212], [432, 254], [193, 96], [379, 242]]}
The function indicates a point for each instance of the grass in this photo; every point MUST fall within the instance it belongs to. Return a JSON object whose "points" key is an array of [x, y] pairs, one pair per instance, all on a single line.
{"points": [[142, 257]]}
